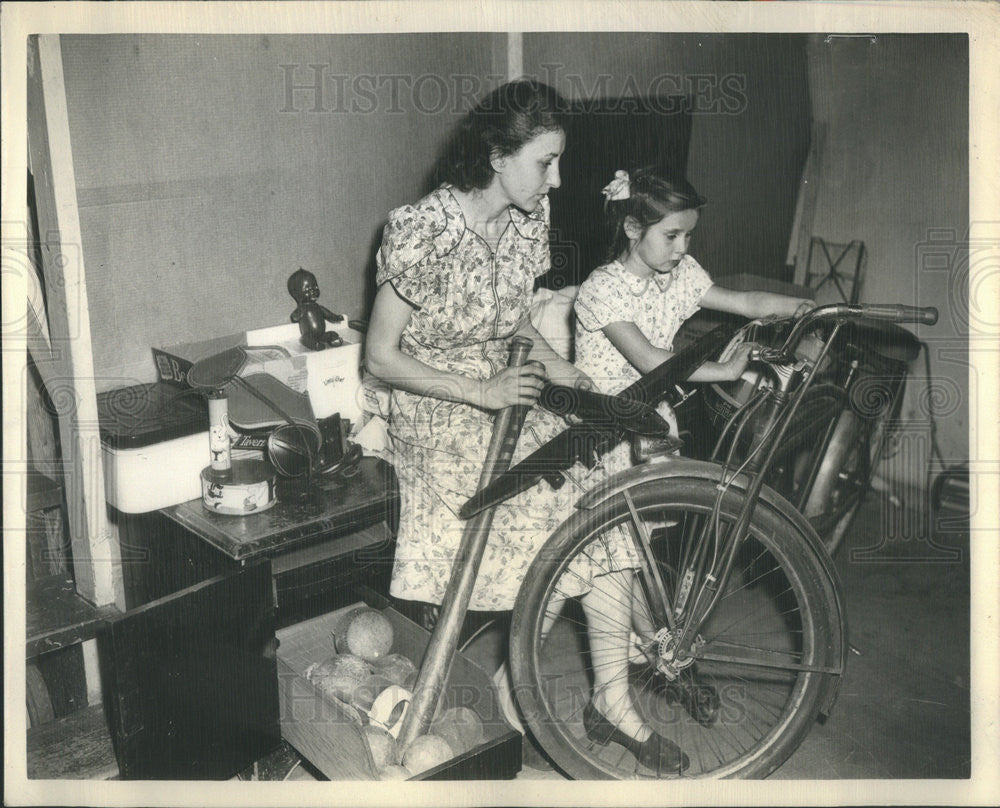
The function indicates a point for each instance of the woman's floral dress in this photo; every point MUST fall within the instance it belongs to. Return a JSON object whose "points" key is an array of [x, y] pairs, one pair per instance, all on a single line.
{"points": [[658, 306], [468, 301]]}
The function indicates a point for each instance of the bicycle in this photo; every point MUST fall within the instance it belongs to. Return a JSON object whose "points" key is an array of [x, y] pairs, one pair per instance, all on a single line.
{"points": [[738, 627], [826, 468]]}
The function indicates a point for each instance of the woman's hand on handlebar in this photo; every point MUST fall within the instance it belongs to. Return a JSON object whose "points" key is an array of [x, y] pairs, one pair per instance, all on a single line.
{"points": [[513, 386]]}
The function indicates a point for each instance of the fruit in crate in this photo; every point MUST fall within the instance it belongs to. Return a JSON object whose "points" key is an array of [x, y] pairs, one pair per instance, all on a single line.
{"points": [[426, 752], [383, 747], [369, 634], [461, 727], [394, 772], [396, 668], [365, 694], [339, 675]]}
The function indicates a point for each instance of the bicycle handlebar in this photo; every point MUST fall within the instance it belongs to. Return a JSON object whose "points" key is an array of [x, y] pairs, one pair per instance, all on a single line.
{"points": [[898, 313], [834, 312]]}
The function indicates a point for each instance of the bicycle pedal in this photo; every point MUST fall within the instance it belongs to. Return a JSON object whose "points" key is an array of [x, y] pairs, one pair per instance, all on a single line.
{"points": [[636, 655]]}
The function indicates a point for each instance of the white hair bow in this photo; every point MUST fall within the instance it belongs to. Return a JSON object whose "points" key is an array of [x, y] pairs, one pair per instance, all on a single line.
{"points": [[618, 188]]}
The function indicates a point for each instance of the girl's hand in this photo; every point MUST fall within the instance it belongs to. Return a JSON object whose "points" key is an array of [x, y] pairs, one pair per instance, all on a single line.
{"points": [[737, 363], [513, 386], [803, 306]]}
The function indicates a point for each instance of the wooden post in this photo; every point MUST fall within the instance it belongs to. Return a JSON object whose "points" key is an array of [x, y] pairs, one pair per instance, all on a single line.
{"points": [[95, 547], [443, 644], [515, 55], [805, 210]]}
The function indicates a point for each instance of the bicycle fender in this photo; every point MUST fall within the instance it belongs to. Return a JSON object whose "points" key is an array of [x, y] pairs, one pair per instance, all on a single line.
{"points": [[685, 468]]}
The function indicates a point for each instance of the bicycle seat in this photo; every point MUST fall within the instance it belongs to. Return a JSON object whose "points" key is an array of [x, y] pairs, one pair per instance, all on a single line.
{"points": [[886, 340]]}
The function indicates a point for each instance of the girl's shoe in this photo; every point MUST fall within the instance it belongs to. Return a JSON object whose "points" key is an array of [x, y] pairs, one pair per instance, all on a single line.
{"points": [[656, 752]]}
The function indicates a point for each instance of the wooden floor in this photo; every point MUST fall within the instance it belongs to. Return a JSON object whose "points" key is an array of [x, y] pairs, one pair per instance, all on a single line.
{"points": [[903, 710], [89, 755]]}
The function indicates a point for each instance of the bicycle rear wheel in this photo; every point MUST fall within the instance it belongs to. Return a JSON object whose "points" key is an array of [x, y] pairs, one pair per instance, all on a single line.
{"points": [[766, 662], [841, 481]]}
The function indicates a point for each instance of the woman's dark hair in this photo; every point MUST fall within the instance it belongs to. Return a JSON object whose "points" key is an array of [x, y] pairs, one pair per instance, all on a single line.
{"points": [[500, 124], [654, 192]]}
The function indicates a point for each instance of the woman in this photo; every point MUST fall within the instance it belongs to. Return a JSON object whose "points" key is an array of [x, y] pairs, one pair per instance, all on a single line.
{"points": [[455, 278]]}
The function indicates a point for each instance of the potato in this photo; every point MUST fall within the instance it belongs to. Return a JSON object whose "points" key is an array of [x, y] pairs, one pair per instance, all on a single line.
{"points": [[426, 752]]}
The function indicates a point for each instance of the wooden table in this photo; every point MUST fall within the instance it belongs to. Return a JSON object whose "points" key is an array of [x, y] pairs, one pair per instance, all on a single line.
{"points": [[344, 535], [176, 563], [745, 282], [340, 507]]}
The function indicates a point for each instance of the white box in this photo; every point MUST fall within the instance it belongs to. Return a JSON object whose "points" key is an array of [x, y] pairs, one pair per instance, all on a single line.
{"points": [[333, 375], [156, 476]]}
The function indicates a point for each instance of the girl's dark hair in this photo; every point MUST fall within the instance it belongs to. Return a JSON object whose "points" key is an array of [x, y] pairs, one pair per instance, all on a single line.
{"points": [[500, 124], [654, 192]]}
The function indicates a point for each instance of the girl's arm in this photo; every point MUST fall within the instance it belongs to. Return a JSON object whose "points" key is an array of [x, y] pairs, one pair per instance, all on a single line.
{"points": [[383, 357], [629, 339], [754, 304]]}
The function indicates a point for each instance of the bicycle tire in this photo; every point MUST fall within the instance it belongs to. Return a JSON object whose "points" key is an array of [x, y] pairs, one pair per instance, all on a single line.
{"points": [[840, 484], [845, 475], [815, 628]]}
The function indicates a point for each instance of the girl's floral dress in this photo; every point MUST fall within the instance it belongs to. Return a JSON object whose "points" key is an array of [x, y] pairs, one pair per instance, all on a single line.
{"points": [[657, 305], [468, 301]]}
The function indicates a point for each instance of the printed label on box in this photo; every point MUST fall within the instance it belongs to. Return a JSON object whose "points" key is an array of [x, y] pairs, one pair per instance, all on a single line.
{"points": [[171, 368]]}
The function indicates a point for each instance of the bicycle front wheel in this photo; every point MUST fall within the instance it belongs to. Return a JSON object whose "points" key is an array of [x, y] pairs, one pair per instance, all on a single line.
{"points": [[763, 664]]}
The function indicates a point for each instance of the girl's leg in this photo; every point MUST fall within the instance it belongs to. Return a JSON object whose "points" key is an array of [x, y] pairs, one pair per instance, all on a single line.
{"points": [[608, 607], [642, 618]]}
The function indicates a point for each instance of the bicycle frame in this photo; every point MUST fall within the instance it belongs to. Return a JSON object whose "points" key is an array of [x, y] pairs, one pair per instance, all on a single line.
{"points": [[784, 401], [680, 468], [699, 588], [700, 585]]}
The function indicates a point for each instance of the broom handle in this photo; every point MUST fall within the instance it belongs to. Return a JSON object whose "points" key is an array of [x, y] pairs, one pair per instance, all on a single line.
{"points": [[441, 649]]}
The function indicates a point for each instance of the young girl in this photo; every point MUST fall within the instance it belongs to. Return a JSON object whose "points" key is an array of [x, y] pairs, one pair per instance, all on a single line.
{"points": [[629, 310]]}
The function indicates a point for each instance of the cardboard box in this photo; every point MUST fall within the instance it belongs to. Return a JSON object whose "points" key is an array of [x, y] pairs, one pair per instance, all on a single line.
{"points": [[330, 735], [174, 362], [332, 377]]}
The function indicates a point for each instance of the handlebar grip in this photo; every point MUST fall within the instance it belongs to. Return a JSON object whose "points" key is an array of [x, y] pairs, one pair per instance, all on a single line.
{"points": [[898, 313], [520, 347]]}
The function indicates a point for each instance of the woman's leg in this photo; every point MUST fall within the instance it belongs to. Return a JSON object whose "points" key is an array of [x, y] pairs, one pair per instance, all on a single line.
{"points": [[608, 607], [502, 681]]}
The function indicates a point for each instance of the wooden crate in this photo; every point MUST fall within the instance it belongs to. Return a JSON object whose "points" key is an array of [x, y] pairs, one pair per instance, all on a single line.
{"points": [[330, 737]]}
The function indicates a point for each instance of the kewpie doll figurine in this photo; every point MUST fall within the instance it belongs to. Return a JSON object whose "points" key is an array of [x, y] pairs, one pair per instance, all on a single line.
{"points": [[310, 315]]}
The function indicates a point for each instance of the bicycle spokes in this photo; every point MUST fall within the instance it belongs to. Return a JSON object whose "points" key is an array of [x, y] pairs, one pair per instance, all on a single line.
{"points": [[723, 693]]}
